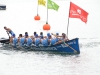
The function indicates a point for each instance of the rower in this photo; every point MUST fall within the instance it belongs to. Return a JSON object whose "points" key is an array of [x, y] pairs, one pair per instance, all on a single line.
{"points": [[56, 36], [28, 40], [51, 40], [63, 39], [26, 33], [41, 35], [33, 37], [8, 30], [34, 34], [21, 40], [15, 41], [44, 41], [36, 40]]}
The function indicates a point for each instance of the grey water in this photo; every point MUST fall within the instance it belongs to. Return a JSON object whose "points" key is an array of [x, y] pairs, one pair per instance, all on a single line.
{"points": [[19, 16], [13, 62]]}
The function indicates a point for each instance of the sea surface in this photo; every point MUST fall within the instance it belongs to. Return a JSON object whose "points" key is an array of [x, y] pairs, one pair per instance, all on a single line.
{"points": [[19, 16]]}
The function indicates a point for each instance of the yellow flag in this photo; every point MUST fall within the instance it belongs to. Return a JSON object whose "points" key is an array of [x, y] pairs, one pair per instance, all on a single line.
{"points": [[42, 2]]}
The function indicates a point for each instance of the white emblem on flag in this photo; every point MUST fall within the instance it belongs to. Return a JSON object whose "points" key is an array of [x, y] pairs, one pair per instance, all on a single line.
{"points": [[79, 11]]}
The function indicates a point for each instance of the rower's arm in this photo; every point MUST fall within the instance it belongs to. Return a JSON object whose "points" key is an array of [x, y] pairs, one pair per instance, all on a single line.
{"points": [[67, 38], [54, 35], [9, 29], [18, 39]]}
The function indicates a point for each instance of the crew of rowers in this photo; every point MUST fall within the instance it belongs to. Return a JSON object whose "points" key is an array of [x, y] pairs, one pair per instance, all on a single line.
{"points": [[36, 39]]}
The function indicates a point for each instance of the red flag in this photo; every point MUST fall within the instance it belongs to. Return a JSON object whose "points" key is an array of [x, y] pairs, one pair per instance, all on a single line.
{"points": [[77, 12]]}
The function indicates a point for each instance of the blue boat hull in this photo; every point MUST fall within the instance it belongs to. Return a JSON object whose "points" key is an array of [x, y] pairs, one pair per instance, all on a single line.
{"points": [[70, 46]]}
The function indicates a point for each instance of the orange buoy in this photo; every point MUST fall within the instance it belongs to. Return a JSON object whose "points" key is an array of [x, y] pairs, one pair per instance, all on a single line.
{"points": [[37, 17], [46, 27]]}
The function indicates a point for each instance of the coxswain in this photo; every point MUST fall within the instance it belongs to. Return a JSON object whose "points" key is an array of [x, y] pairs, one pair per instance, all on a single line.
{"points": [[9, 31]]}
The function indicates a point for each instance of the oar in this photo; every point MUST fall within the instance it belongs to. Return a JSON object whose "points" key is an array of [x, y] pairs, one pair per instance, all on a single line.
{"points": [[8, 35], [75, 51]]}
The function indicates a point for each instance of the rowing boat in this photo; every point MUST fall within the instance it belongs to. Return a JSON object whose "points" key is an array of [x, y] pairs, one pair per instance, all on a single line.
{"points": [[71, 46], [2, 7]]}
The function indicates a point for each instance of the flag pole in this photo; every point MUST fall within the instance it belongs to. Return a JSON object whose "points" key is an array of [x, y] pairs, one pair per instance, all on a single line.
{"points": [[37, 8], [68, 21], [47, 13]]}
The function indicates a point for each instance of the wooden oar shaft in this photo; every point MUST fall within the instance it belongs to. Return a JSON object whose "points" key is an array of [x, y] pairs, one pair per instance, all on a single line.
{"points": [[8, 35], [71, 47]]}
